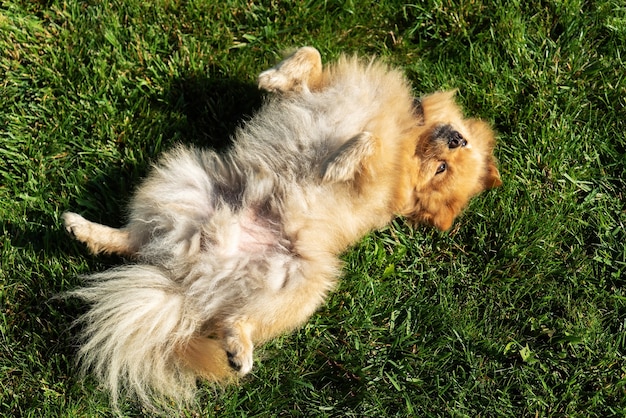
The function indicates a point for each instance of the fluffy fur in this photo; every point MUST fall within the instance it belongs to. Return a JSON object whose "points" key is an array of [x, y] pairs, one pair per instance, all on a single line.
{"points": [[231, 250]]}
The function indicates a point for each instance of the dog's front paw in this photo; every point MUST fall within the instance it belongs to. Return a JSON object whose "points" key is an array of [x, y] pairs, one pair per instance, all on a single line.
{"points": [[299, 71], [349, 159], [274, 81]]}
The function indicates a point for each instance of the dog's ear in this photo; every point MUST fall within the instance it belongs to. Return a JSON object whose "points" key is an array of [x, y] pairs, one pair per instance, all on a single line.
{"points": [[481, 131], [492, 179], [443, 220], [440, 106]]}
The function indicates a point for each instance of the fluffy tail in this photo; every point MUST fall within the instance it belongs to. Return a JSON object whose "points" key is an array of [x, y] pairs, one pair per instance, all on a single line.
{"points": [[140, 337]]}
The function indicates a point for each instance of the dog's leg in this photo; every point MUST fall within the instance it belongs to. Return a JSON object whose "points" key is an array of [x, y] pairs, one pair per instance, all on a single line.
{"points": [[300, 71], [348, 159], [238, 345], [98, 238]]}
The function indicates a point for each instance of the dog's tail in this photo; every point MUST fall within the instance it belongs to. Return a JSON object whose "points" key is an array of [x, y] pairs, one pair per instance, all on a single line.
{"points": [[139, 337]]}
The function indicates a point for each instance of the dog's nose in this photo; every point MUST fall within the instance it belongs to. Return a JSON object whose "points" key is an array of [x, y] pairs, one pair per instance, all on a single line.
{"points": [[456, 140]]}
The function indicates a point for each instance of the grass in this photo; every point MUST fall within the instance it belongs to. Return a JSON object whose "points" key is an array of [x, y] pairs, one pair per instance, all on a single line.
{"points": [[519, 310]]}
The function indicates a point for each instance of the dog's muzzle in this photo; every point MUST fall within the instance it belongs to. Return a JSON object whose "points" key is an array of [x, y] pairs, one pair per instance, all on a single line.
{"points": [[456, 140], [447, 133]]}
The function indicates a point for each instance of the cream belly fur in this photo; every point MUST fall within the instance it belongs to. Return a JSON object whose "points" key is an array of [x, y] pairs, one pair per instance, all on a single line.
{"points": [[230, 250]]}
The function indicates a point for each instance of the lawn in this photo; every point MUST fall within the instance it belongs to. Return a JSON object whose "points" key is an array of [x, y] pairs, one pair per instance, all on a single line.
{"points": [[518, 311]]}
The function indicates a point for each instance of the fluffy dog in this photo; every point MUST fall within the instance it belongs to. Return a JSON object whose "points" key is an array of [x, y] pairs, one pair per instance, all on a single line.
{"points": [[233, 249]]}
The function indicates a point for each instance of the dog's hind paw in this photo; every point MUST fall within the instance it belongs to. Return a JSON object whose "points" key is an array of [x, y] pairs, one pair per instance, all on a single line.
{"points": [[98, 238], [74, 224], [241, 361], [239, 348], [240, 364]]}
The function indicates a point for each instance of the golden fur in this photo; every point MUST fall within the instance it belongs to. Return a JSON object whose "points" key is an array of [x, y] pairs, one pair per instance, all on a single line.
{"points": [[231, 250]]}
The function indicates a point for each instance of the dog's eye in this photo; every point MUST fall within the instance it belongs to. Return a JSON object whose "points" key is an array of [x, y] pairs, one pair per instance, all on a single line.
{"points": [[442, 167]]}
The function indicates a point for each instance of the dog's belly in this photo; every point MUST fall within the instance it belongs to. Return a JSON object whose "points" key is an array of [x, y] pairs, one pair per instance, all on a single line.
{"points": [[254, 247], [258, 235]]}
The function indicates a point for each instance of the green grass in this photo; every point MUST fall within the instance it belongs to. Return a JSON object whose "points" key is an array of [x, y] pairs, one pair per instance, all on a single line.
{"points": [[518, 311]]}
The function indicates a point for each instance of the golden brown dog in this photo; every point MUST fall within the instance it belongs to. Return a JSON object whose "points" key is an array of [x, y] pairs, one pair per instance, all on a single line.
{"points": [[231, 250]]}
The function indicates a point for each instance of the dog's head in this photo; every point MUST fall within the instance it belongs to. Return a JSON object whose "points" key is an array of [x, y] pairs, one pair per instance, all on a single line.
{"points": [[452, 162]]}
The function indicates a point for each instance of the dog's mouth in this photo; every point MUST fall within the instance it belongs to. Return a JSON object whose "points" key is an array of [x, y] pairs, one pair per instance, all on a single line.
{"points": [[418, 111]]}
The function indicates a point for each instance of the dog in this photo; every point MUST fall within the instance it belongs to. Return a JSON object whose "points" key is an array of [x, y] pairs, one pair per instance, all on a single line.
{"points": [[230, 250]]}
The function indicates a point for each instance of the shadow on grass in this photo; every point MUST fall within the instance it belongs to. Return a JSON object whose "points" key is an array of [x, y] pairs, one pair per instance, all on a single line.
{"points": [[213, 108], [197, 110]]}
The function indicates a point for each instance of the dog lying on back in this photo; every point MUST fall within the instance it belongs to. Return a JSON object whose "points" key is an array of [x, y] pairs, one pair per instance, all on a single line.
{"points": [[230, 250]]}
